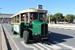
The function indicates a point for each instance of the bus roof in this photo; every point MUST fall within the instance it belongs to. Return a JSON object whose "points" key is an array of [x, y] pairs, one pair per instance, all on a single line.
{"points": [[31, 10]]}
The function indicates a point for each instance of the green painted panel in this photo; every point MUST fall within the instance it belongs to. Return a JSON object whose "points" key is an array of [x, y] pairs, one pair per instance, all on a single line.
{"points": [[37, 26], [26, 24], [37, 22], [24, 37], [11, 26]]}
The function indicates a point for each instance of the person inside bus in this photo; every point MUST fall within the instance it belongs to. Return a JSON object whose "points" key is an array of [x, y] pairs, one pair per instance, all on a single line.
{"points": [[33, 19]]}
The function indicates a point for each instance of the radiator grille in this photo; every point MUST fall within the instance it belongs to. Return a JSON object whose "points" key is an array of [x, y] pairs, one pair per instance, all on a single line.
{"points": [[44, 29]]}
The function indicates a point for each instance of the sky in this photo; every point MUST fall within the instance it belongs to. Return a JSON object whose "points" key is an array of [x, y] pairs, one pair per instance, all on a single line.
{"points": [[54, 6]]}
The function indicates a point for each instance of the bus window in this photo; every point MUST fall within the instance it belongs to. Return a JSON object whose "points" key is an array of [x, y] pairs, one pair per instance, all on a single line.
{"points": [[33, 16], [42, 16], [27, 18], [13, 20], [22, 18], [17, 18]]}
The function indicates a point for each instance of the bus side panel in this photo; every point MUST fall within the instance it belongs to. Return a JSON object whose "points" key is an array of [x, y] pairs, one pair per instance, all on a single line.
{"points": [[16, 28], [19, 29], [12, 28]]}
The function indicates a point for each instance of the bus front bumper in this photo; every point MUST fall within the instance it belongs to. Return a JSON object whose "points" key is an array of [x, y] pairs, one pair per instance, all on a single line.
{"points": [[41, 37]]}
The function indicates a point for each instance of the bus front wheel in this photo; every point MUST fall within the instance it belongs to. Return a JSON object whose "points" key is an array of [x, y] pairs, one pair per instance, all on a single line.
{"points": [[26, 37], [46, 39]]}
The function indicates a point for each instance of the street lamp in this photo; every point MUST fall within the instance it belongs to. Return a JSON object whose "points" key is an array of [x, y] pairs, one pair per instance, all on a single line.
{"points": [[0, 13], [49, 17]]}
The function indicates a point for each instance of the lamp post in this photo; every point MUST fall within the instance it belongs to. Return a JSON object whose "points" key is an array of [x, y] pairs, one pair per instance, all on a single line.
{"points": [[49, 17], [0, 13]]}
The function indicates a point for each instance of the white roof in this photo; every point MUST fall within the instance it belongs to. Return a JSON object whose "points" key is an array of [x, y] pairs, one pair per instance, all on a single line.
{"points": [[31, 10]]}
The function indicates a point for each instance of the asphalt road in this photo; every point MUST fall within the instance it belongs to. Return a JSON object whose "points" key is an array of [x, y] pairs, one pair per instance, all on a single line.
{"points": [[60, 40]]}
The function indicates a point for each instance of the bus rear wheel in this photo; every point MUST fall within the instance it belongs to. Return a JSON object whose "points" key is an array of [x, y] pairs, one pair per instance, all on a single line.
{"points": [[12, 29], [26, 37], [14, 32]]}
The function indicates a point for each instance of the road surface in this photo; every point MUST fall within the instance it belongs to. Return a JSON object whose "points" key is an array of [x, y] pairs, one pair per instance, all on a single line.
{"points": [[60, 40]]}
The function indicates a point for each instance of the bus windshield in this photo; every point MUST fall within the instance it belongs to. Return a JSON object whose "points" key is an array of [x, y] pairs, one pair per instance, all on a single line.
{"points": [[34, 15], [42, 16]]}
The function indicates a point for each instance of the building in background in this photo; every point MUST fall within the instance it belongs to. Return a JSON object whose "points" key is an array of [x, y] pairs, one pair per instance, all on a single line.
{"points": [[5, 18]]}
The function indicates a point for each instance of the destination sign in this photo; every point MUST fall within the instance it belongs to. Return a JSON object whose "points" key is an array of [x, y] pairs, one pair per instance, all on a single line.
{"points": [[40, 10]]}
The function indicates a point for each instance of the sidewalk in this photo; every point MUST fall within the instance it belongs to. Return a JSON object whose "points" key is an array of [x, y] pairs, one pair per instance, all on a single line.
{"points": [[3, 45], [0, 38], [60, 26]]}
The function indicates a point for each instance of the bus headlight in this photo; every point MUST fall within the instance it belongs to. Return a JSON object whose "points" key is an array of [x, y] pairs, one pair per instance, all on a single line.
{"points": [[35, 33], [49, 32]]}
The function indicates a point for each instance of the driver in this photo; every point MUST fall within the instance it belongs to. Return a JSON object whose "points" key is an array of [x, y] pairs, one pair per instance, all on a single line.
{"points": [[33, 19]]}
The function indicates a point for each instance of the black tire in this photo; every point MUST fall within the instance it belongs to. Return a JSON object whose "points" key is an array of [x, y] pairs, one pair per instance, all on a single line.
{"points": [[12, 29], [45, 39], [26, 34], [14, 32], [21, 35]]}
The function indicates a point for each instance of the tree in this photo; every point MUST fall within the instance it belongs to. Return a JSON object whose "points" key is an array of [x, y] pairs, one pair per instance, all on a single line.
{"points": [[74, 17], [69, 18], [47, 19], [65, 19], [59, 16], [52, 18]]}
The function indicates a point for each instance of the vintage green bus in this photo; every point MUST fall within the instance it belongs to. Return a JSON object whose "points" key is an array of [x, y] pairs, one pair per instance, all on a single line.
{"points": [[30, 24]]}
